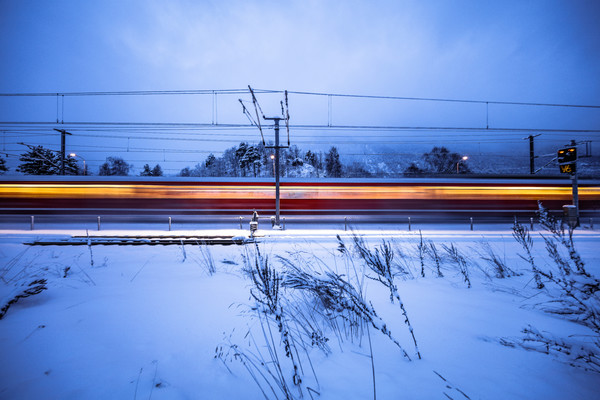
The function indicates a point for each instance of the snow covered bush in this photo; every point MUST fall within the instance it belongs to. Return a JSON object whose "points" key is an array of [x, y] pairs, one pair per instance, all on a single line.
{"points": [[570, 292], [522, 236], [497, 264], [433, 253], [22, 289], [339, 297], [380, 262], [270, 369], [460, 261]]}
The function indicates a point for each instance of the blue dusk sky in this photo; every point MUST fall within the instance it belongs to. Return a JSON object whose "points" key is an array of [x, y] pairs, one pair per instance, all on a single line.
{"points": [[488, 51]]}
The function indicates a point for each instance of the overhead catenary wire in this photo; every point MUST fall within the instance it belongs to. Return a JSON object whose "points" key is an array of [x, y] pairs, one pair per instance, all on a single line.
{"points": [[203, 135], [70, 125], [305, 140], [232, 133], [306, 93]]}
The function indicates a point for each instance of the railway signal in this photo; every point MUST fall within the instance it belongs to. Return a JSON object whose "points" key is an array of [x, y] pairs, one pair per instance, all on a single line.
{"points": [[567, 162]]}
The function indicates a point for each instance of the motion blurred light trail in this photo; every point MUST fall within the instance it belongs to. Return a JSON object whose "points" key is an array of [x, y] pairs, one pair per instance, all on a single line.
{"points": [[298, 197]]}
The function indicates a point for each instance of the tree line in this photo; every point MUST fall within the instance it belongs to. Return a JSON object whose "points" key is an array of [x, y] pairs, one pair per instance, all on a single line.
{"points": [[38, 160], [249, 160], [257, 161], [244, 160]]}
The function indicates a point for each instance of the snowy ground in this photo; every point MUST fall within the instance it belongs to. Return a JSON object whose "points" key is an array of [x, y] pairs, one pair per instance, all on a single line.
{"points": [[145, 321]]}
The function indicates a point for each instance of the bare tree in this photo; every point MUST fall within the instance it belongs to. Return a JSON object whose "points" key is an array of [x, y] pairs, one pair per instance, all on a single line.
{"points": [[114, 166]]}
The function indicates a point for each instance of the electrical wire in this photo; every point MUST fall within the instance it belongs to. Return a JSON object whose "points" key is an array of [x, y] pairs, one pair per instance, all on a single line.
{"points": [[305, 93], [190, 133], [374, 128]]}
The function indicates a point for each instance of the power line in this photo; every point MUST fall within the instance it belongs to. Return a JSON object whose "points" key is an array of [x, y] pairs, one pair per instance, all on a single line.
{"points": [[515, 103], [306, 93], [5, 125], [130, 93], [197, 136], [399, 141]]}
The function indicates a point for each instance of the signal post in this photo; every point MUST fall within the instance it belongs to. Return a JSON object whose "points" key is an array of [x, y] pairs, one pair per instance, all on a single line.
{"points": [[567, 162]]}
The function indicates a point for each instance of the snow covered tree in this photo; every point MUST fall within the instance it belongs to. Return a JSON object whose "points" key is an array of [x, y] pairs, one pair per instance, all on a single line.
{"points": [[39, 161], [356, 170], [211, 160], [42, 161], [265, 159], [311, 158], [185, 172], [212, 166], [314, 159], [3, 167], [294, 156], [412, 170], [146, 171], [231, 165], [114, 166], [333, 165], [71, 166], [156, 171], [239, 156], [250, 159], [441, 161]]}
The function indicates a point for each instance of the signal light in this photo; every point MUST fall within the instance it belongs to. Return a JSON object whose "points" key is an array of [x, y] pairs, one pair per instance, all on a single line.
{"points": [[568, 168], [567, 155], [567, 160]]}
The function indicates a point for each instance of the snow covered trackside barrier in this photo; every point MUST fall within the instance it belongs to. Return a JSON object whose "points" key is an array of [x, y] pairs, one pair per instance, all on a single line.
{"points": [[140, 240]]}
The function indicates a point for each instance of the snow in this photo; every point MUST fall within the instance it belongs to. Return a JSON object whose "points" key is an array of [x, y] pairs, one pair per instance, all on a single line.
{"points": [[144, 321]]}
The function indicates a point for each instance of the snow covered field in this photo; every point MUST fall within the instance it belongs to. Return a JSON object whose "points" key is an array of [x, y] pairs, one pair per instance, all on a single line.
{"points": [[142, 322]]}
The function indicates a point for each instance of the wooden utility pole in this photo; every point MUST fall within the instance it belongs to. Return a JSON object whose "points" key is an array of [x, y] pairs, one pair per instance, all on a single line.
{"points": [[62, 149], [531, 153]]}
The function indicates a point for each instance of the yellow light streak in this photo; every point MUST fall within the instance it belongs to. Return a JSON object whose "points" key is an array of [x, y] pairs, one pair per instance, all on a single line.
{"points": [[158, 191]]}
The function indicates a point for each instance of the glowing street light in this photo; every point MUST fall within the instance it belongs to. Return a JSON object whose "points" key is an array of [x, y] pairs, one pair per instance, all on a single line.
{"points": [[464, 158], [84, 166], [273, 158]]}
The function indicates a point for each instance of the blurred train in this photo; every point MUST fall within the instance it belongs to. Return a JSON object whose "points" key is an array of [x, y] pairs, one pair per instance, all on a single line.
{"points": [[298, 196]]}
